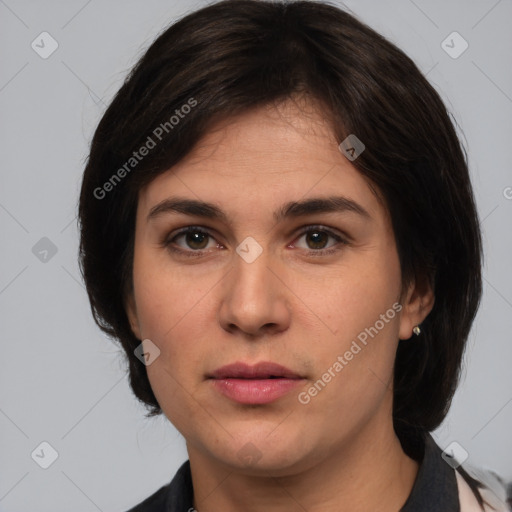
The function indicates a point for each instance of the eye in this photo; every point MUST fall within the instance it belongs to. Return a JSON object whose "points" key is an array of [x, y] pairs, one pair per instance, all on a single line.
{"points": [[319, 240], [191, 239]]}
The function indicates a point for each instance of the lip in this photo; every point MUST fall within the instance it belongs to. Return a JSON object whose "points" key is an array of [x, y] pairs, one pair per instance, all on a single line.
{"points": [[261, 383]]}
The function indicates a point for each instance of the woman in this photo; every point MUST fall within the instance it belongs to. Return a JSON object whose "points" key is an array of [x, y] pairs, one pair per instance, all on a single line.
{"points": [[278, 225]]}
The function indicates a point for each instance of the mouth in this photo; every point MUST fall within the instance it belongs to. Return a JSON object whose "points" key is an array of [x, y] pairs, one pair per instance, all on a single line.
{"points": [[259, 384], [263, 370]]}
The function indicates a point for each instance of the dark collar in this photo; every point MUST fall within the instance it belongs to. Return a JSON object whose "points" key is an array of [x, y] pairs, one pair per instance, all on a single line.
{"points": [[435, 488]]}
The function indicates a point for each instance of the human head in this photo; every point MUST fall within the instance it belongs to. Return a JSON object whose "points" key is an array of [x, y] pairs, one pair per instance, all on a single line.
{"points": [[238, 55]]}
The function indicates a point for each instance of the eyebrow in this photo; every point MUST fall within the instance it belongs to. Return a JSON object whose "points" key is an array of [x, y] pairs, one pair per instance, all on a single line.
{"points": [[292, 209]]}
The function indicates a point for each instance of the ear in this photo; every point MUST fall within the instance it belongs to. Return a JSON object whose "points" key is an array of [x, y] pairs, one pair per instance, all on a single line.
{"points": [[131, 312], [417, 303]]}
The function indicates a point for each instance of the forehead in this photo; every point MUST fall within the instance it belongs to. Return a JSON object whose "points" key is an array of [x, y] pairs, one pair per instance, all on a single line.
{"points": [[277, 137], [266, 156]]}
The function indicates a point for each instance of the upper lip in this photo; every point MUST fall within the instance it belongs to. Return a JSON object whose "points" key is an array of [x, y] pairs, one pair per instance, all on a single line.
{"points": [[262, 370]]}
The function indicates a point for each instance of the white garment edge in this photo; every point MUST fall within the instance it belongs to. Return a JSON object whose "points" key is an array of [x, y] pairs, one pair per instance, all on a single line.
{"points": [[469, 503]]}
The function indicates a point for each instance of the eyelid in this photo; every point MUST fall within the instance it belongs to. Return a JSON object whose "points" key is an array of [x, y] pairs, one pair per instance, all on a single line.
{"points": [[320, 227]]}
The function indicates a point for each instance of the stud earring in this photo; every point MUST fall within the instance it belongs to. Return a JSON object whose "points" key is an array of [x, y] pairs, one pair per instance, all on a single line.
{"points": [[416, 330]]}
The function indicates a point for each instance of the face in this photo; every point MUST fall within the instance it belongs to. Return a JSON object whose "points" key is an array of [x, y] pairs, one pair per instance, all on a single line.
{"points": [[266, 247]]}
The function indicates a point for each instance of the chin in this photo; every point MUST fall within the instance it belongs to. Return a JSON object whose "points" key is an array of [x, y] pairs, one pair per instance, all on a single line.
{"points": [[264, 455]]}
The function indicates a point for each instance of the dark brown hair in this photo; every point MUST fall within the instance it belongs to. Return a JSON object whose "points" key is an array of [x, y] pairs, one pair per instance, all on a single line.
{"points": [[238, 54]]}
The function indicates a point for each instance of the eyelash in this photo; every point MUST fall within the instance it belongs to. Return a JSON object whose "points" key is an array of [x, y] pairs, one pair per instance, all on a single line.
{"points": [[167, 243]]}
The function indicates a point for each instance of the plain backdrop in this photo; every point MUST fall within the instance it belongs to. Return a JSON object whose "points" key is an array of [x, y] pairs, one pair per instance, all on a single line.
{"points": [[62, 382]]}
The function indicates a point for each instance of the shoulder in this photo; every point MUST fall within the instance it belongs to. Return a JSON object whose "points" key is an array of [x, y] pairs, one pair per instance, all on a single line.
{"points": [[494, 498]]}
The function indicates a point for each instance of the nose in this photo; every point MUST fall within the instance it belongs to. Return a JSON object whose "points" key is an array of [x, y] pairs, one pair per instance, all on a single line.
{"points": [[254, 301]]}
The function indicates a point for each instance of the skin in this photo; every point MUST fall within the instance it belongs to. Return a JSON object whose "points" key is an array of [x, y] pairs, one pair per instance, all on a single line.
{"points": [[292, 305]]}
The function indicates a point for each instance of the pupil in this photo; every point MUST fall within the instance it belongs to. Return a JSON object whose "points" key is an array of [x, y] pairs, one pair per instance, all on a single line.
{"points": [[197, 240], [318, 239]]}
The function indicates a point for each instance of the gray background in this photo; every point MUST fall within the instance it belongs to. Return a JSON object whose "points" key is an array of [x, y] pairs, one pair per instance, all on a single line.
{"points": [[61, 380]]}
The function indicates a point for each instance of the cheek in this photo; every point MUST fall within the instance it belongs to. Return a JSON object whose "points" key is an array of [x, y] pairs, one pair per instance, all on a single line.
{"points": [[167, 296], [164, 305], [173, 315], [354, 363], [351, 297], [353, 376]]}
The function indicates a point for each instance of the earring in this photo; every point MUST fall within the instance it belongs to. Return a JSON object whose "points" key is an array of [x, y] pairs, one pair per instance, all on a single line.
{"points": [[416, 330]]}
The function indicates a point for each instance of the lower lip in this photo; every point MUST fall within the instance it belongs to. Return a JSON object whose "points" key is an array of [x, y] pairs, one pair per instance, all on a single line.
{"points": [[255, 391]]}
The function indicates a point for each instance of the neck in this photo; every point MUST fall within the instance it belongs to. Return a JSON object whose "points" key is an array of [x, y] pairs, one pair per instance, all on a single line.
{"points": [[369, 472]]}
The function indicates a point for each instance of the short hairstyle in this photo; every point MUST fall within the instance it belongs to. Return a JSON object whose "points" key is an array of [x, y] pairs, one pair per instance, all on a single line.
{"points": [[235, 55]]}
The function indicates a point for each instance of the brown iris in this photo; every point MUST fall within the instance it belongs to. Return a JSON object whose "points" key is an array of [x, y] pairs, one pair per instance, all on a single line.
{"points": [[317, 239]]}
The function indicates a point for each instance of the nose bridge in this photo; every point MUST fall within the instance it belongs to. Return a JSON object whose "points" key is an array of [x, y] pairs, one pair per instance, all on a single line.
{"points": [[252, 298], [250, 285], [250, 279], [250, 273]]}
